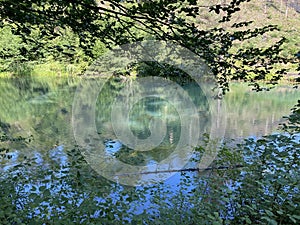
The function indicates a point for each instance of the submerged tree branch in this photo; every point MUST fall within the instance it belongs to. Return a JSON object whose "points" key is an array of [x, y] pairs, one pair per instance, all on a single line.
{"points": [[185, 170]]}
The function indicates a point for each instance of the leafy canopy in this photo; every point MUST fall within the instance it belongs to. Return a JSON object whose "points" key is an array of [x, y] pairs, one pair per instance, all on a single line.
{"points": [[118, 22]]}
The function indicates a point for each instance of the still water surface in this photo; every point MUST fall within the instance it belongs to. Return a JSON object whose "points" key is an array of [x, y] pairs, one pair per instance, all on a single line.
{"points": [[41, 108]]}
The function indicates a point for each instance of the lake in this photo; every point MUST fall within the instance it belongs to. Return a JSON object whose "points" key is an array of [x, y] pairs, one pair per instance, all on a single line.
{"points": [[126, 131]]}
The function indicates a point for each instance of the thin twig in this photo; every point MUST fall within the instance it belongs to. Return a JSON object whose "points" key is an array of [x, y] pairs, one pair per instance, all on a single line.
{"points": [[184, 170]]}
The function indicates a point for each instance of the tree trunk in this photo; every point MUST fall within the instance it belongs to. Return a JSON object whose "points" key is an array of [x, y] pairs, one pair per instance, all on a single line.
{"points": [[286, 8], [265, 6]]}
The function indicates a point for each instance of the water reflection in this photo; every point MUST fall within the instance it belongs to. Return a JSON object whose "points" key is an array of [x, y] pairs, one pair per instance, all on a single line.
{"points": [[41, 107]]}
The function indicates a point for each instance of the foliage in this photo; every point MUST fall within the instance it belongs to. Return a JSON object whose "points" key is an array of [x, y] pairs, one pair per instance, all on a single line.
{"points": [[267, 189], [118, 22], [293, 125], [10, 46], [263, 189]]}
